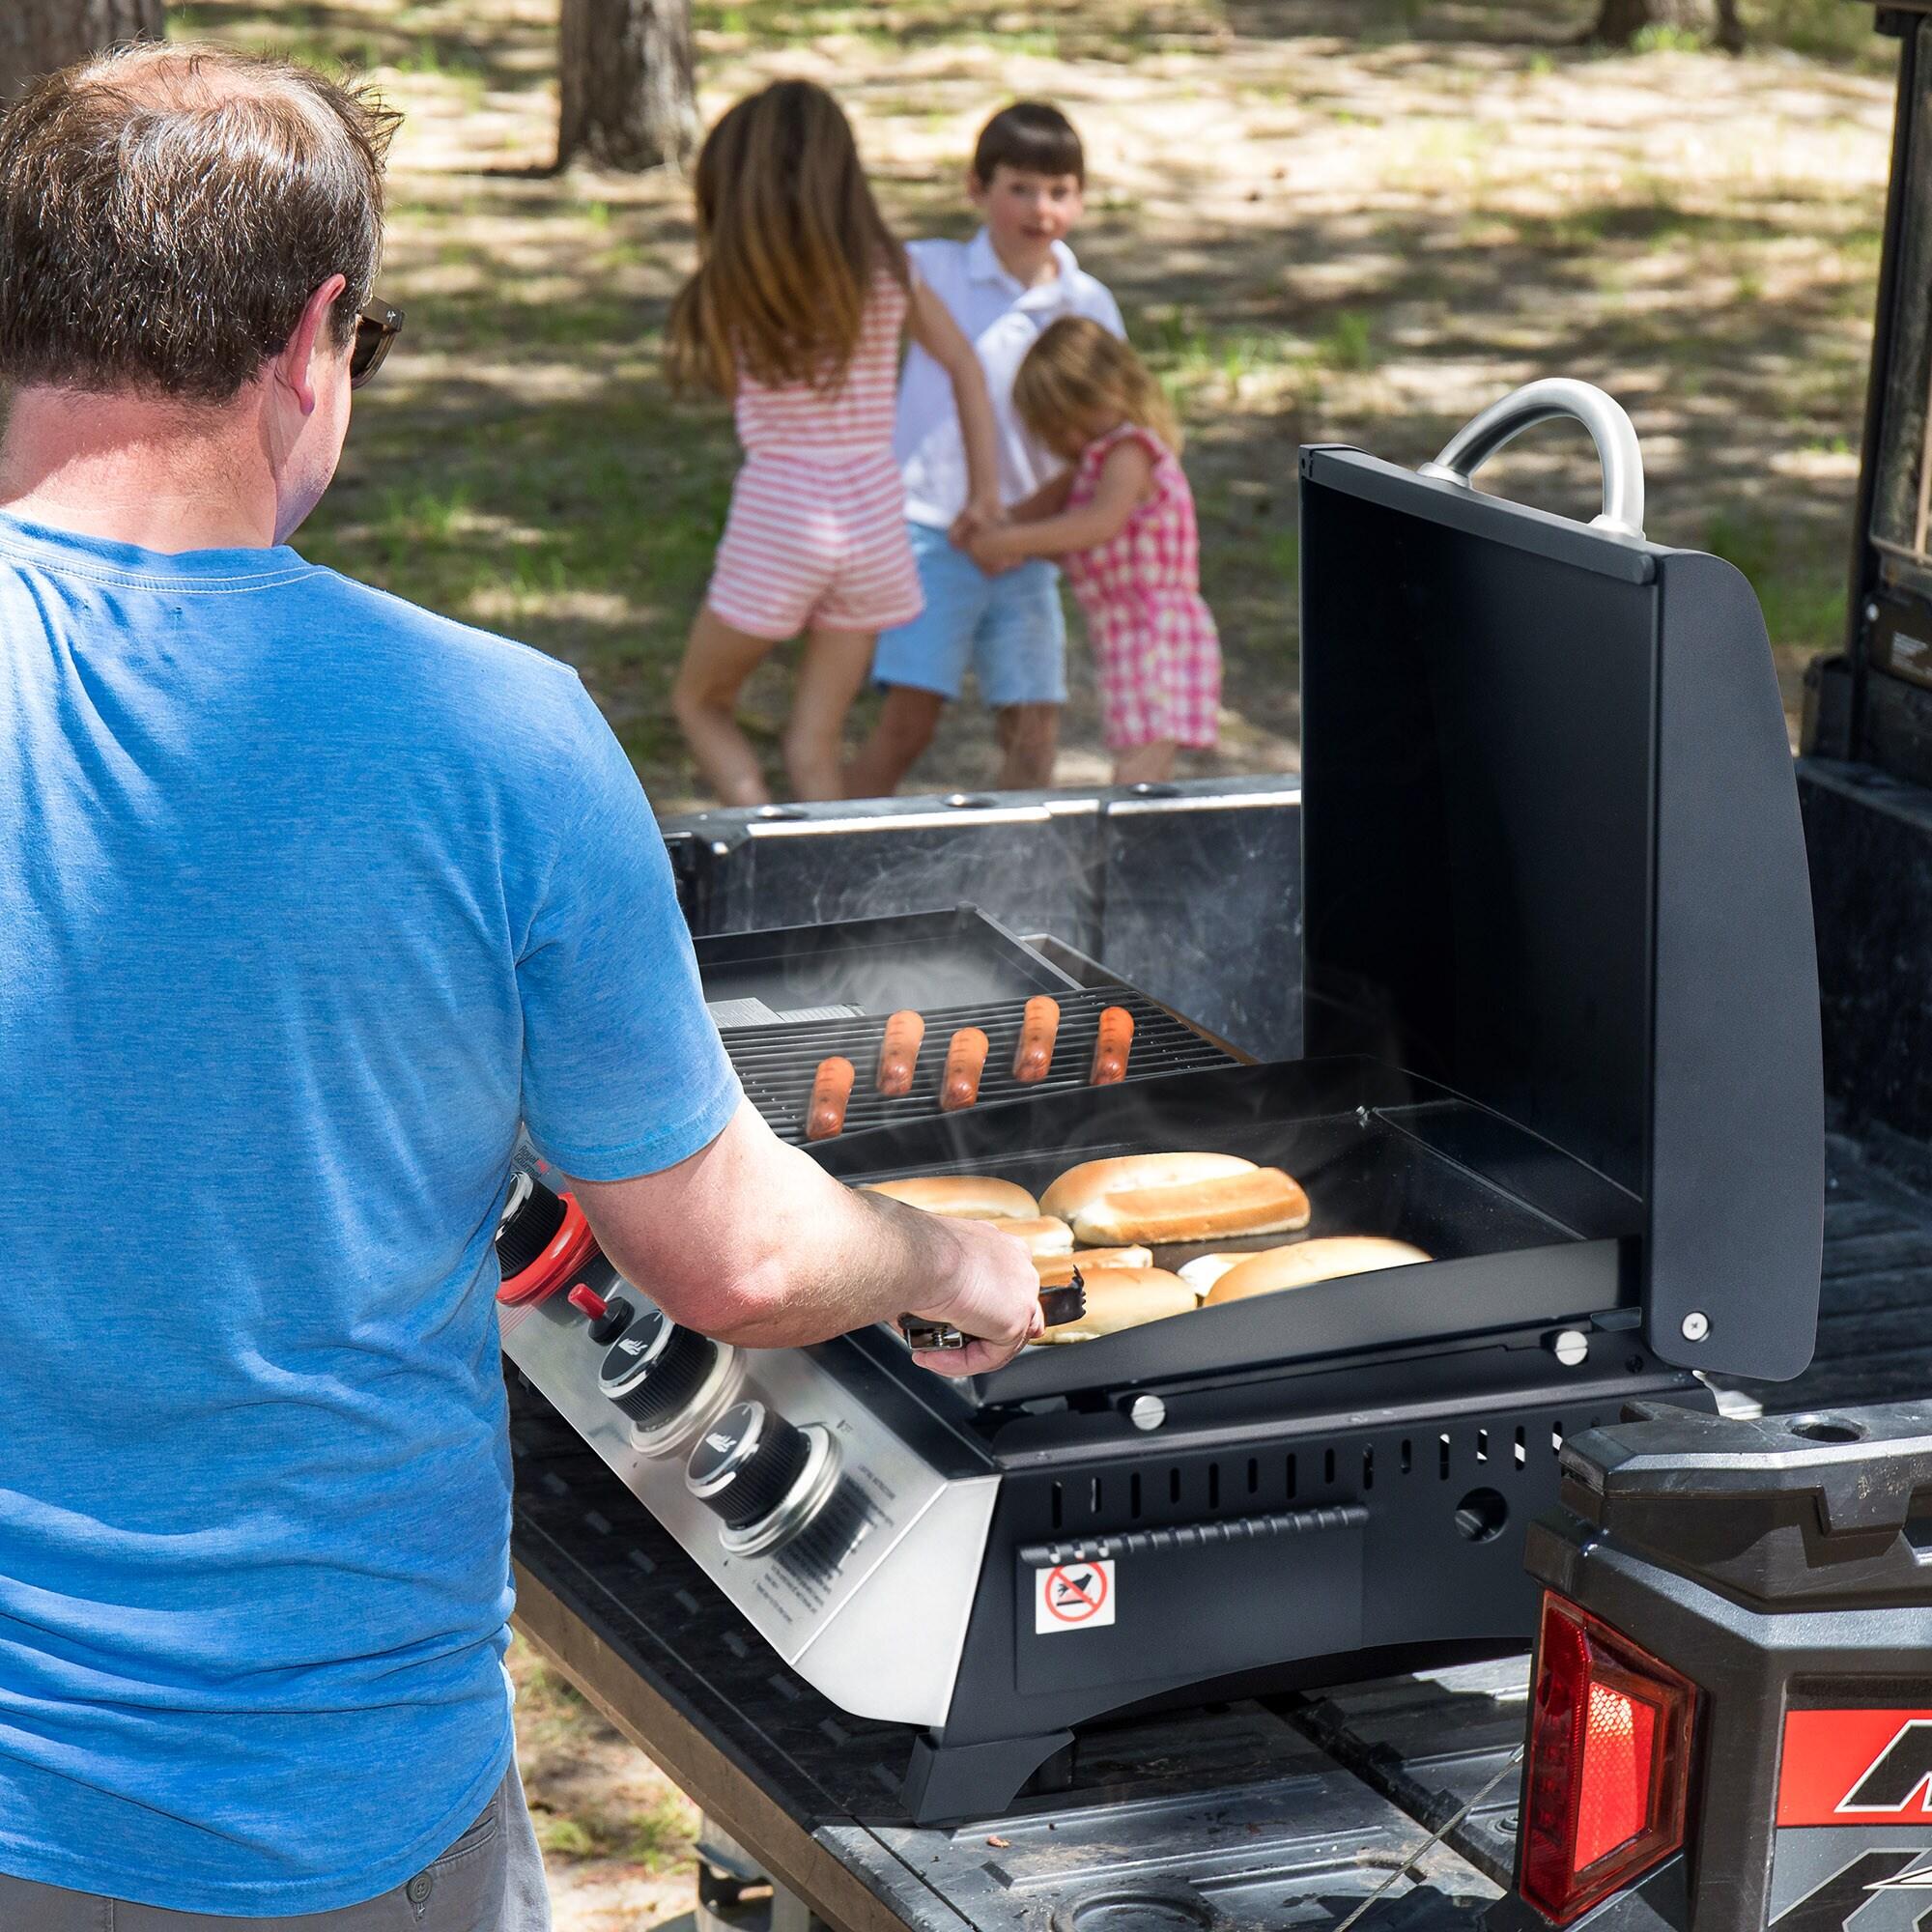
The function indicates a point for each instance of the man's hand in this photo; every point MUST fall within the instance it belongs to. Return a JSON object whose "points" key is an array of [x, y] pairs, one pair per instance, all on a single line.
{"points": [[991, 1293]]}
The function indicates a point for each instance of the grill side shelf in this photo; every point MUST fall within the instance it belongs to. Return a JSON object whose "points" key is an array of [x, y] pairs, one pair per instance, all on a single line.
{"points": [[777, 1062]]}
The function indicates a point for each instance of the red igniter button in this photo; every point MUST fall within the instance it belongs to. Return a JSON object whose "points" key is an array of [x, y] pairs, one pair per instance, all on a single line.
{"points": [[585, 1298]]}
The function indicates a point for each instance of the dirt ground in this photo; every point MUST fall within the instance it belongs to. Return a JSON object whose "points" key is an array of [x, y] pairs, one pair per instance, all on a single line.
{"points": [[1356, 222], [1349, 222]]}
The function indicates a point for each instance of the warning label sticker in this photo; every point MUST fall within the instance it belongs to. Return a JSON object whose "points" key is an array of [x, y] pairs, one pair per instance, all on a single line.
{"points": [[1073, 1596]]}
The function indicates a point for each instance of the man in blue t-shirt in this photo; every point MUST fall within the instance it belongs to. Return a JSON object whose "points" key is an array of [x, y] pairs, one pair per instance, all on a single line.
{"points": [[307, 898]]}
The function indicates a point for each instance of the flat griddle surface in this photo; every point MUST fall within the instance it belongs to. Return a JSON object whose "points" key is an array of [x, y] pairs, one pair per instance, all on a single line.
{"points": [[1516, 1234]]}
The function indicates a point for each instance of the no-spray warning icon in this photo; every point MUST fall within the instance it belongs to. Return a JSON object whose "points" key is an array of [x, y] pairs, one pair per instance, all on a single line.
{"points": [[1073, 1596]]}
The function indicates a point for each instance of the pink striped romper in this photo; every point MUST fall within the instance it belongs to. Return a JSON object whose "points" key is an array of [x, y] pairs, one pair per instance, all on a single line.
{"points": [[1153, 638], [816, 536]]}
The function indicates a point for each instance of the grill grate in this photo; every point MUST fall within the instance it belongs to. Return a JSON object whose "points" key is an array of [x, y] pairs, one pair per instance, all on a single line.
{"points": [[777, 1062]]}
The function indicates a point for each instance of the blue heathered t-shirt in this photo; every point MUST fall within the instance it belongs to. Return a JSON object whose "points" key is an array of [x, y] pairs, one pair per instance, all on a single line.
{"points": [[306, 897]]}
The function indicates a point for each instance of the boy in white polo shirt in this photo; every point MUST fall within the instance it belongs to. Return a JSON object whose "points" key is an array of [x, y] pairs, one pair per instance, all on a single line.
{"points": [[1003, 288]]}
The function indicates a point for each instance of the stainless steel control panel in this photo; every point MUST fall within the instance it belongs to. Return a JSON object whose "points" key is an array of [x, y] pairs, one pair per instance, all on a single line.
{"points": [[860, 1573]]}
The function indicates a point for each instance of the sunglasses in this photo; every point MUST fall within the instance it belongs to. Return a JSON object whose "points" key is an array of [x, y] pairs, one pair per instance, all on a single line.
{"points": [[377, 326]]}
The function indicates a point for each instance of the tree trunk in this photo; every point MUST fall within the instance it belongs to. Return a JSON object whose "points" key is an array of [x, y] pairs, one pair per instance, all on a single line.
{"points": [[37, 35], [628, 96], [1618, 23]]}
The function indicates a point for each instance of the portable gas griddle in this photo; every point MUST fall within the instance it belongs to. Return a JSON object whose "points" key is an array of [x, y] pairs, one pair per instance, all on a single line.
{"points": [[1562, 1032]]}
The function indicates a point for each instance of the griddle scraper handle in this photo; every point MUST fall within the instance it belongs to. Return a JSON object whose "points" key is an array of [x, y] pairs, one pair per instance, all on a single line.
{"points": [[1056, 1304]]}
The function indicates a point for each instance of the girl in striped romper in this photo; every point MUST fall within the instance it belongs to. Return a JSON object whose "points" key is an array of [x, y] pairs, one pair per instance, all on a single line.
{"points": [[1120, 519], [795, 313]]}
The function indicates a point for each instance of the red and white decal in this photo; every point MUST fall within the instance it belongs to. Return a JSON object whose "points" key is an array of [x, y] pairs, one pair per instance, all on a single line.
{"points": [[1074, 1596], [1855, 1768]]}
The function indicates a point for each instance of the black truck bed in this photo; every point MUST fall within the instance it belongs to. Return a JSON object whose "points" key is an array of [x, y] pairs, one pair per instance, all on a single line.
{"points": [[1285, 1814]]}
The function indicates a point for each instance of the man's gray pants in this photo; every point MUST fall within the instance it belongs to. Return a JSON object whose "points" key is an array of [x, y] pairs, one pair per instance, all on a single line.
{"points": [[489, 1880]]}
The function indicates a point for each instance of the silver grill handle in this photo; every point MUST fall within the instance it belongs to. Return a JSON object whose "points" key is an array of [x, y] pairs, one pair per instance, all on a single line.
{"points": [[1610, 430]]}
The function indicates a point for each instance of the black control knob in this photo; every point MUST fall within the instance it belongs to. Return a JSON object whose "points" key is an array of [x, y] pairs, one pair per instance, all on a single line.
{"points": [[746, 1463], [654, 1369], [530, 1220]]}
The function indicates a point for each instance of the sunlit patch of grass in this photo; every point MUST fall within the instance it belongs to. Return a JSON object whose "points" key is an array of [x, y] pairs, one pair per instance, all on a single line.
{"points": [[1660, 37], [1349, 343], [1799, 585]]}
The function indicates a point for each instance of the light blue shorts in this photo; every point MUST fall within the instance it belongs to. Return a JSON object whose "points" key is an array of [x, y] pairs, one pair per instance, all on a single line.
{"points": [[1010, 628]]}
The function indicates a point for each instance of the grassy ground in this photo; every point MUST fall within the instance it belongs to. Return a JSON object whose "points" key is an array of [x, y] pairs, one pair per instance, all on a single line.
{"points": [[1355, 220], [1346, 219]]}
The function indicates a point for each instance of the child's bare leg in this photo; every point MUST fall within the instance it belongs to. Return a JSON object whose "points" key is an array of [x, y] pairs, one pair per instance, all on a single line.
{"points": [[1029, 735], [907, 721], [830, 675], [718, 659], [1145, 764]]}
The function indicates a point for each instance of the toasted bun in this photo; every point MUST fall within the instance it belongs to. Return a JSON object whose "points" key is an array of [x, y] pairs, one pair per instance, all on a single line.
{"points": [[1303, 1262], [1057, 1270], [1259, 1201], [1080, 1187], [1045, 1238], [970, 1197], [1120, 1299], [1205, 1270]]}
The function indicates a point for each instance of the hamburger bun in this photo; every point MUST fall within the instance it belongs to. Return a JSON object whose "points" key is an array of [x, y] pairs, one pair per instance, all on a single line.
{"points": [[1205, 1270], [1057, 1270], [1303, 1262], [1045, 1239], [967, 1197], [1120, 1299]]}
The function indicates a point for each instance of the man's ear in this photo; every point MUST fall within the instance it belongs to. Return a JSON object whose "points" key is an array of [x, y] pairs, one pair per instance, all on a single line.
{"points": [[294, 366], [976, 189]]}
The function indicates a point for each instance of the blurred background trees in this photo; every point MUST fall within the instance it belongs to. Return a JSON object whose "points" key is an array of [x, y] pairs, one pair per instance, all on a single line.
{"points": [[624, 69], [37, 35], [1619, 23]]}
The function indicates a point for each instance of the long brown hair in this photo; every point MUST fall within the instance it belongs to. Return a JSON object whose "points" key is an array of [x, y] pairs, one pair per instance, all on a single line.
{"points": [[1078, 372], [789, 240]]}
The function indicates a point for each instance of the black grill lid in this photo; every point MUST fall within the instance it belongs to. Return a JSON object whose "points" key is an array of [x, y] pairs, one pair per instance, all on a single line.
{"points": [[1552, 860]]}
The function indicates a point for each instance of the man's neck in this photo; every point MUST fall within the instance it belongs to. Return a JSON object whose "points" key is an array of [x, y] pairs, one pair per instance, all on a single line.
{"points": [[162, 475], [1029, 265]]}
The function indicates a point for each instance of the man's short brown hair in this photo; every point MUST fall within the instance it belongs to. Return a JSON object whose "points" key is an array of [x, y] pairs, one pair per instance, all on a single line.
{"points": [[1033, 136], [166, 212]]}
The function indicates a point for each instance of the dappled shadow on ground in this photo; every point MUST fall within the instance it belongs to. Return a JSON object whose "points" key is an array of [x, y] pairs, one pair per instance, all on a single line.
{"points": [[1315, 236]]}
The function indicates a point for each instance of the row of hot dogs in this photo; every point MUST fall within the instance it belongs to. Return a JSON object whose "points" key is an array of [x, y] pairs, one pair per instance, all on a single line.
{"points": [[965, 1062]]}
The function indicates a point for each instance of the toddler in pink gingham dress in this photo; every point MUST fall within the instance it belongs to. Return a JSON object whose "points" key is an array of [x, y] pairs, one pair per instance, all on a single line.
{"points": [[1121, 522]]}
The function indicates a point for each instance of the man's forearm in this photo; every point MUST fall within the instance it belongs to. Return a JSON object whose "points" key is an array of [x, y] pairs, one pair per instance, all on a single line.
{"points": [[863, 1260], [752, 1241]]}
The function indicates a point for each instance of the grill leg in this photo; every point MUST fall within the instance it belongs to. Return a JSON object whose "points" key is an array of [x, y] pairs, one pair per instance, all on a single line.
{"points": [[948, 1782]]}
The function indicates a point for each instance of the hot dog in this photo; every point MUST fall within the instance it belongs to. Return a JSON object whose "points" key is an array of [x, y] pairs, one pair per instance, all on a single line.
{"points": [[1033, 1059], [831, 1089], [1111, 1047], [965, 1062], [898, 1052]]}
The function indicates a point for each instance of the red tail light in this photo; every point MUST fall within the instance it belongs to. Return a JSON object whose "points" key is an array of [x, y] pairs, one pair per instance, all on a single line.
{"points": [[1609, 1763]]}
